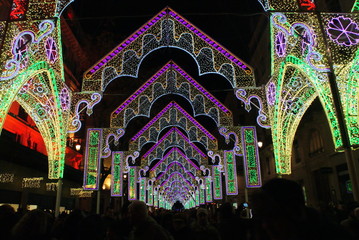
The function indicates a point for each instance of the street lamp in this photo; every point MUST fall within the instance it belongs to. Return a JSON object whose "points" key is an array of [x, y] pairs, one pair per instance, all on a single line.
{"points": [[260, 144]]}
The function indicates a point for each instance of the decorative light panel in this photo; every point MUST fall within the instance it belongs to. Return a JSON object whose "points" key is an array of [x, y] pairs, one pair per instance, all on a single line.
{"points": [[251, 157], [165, 82], [173, 115], [208, 185], [116, 173], [92, 159], [167, 29], [230, 173], [132, 184], [217, 182], [150, 195], [142, 196]]}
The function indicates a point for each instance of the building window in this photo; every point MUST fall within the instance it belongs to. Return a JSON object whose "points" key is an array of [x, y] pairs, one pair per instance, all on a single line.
{"points": [[315, 144]]}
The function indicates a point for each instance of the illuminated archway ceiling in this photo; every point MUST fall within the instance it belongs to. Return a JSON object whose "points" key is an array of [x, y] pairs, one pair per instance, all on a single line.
{"points": [[170, 151], [167, 29], [173, 115], [170, 79], [174, 138]]}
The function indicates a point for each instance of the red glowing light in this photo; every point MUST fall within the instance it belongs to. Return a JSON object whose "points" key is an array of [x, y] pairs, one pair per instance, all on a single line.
{"points": [[19, 8], [307, 5]]}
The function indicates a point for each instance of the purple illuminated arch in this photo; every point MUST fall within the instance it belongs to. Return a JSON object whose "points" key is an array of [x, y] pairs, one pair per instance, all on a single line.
{"points": [[175, 149], [134, 43], [166, 109], [123, 114], [176, 174], [173, 129], [178, 164]]}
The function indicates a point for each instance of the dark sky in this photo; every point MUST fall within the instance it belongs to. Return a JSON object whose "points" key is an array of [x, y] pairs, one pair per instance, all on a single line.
{"points": [[229, 22]]}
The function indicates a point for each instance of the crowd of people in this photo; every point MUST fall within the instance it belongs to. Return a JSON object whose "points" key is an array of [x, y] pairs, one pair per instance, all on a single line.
{"points": [[278, 209]]}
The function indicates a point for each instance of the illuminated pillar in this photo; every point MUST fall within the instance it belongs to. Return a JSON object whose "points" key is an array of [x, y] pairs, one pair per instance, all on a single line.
{"points": [[208, 185], [150, 194], [217, 182], [92, 159], [143, 189], [132, 184], [231, 173], [251, 157], [116, 172]]}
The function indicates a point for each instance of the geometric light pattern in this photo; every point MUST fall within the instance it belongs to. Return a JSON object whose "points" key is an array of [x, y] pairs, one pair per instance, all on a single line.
{"points": [[231, 173], [116, 172], [170, 80], [251, 157], [92, 159], [167, 29], [173, 115]]}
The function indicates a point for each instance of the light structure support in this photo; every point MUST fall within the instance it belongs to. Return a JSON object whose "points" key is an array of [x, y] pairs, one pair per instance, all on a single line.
{"points": [[231, 173], [251, 157]]}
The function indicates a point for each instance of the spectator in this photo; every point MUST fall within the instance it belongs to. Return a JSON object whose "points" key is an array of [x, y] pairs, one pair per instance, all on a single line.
{"points": [[281, 214], [7, 221], [144, 226], [202, 229], [34, 225], [180, 227], [351, 224]]}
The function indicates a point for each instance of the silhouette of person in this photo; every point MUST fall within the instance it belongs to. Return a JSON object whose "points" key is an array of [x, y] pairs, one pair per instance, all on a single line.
{"points": [[280, 214]]}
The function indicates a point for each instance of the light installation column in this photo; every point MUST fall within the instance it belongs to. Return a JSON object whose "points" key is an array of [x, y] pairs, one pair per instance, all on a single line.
{"points": [[217, 182], [197, 197], [150, 195], [208, 184], [250, 158], [116, 172], [231, 173], [132, 185], [201, 194], [92, 159], [143, 189], [155, 197]]}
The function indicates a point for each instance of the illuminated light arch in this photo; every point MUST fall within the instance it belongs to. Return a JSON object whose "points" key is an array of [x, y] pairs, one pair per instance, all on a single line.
{"points": [[174, 138], [174, 166], [40, 97], [166, 179], [61, 5], [348, 77], [299, 85], [167, 29], [170, 80], [174, 155], [173, 115]]}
